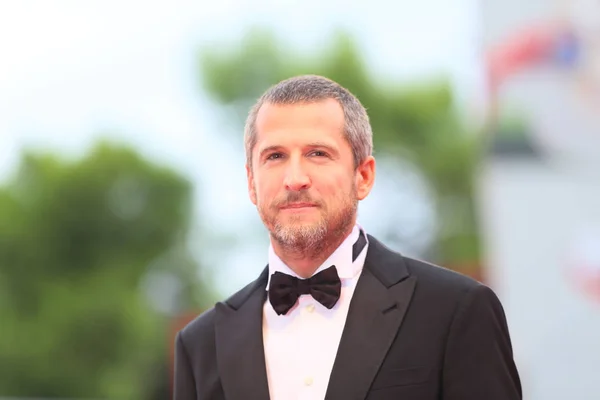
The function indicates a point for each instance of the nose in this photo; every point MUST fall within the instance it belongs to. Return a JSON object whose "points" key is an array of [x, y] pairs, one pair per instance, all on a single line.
{"points": [[296, 178]]}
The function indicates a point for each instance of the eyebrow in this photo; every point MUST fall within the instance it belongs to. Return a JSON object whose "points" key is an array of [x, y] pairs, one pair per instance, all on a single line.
{"points": [[324, 145]]}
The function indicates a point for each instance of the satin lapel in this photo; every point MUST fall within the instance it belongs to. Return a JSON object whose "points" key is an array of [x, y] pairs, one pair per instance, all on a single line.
{"points": [[377, 309], [239, 341]]}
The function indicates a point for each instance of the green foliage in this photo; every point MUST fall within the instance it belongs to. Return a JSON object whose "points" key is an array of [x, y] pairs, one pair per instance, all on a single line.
{"points": [[418, 122], [77, 240]]}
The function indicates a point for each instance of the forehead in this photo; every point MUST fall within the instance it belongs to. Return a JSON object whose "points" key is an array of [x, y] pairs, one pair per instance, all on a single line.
{"points": [[300, 121]]}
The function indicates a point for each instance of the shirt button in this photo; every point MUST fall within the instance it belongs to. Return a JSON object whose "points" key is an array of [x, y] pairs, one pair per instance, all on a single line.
{"points": [[308, 381], [310, 308]]}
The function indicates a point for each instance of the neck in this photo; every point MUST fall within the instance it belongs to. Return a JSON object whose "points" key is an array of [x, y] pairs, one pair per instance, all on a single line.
{"points": [[306, 261]]}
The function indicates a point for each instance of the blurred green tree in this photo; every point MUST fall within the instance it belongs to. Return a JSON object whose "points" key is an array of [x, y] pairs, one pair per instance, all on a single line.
{"points": [[93, 264], [418, 123]]}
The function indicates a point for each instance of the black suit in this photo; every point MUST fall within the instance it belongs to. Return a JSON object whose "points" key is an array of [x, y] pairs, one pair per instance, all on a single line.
{"points": [[414, 331]]}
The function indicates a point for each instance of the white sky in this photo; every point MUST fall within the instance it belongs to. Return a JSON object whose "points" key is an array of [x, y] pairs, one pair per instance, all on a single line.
{"points": [[72, 70]]}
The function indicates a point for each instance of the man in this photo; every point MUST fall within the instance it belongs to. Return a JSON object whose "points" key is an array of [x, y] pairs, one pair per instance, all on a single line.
{"points": [[335, 314]]}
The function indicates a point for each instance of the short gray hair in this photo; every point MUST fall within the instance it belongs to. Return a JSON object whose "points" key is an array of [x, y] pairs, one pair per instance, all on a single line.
{"points": [[314, 88]]}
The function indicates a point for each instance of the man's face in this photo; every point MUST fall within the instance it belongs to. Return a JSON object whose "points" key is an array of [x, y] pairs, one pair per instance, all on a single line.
{"points": [[302, 178]]}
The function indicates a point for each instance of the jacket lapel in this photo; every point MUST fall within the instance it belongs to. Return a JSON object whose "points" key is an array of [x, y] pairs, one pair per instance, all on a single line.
{"points": [[378, 306], [239, 343]]}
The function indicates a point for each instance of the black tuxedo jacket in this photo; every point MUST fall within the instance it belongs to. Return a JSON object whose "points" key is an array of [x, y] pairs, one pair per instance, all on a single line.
{"points": [[414, 331]]}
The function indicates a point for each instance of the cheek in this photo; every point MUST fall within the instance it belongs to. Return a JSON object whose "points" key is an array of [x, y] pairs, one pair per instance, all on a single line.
{"points": [[335, 185], [265, 190]]}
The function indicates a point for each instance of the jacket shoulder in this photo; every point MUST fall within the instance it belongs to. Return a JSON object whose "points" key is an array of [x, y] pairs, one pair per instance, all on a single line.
{"points": [[442, 286], [440, 276], [203, 326], [390, 265]]}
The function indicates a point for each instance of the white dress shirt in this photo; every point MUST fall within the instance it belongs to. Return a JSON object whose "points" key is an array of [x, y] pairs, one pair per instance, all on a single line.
{"points": [[300, 346]]}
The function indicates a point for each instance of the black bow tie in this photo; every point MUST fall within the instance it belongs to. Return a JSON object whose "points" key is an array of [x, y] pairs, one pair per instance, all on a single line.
{"points": [[325, 287]]}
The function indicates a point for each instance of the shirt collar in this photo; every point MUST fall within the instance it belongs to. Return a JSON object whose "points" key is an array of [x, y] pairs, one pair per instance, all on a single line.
{"points": [[341, 258]]}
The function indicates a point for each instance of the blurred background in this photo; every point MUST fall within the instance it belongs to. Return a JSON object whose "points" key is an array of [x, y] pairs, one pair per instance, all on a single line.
{"points": [[123, 203]]}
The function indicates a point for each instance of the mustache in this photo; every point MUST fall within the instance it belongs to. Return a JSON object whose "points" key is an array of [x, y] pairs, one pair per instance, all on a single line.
{"points": [[294, 197]]}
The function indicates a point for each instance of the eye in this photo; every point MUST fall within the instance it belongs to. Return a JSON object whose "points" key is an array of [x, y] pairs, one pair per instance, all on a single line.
{"points": [[274, 156], [318, 153]]}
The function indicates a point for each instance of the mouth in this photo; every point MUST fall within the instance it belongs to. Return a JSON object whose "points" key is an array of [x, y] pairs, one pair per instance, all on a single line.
{"points": [[298, 206]]}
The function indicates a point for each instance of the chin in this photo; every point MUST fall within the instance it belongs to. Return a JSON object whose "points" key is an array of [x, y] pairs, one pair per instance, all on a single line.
{"points": [[299, 220], [300, 224]]}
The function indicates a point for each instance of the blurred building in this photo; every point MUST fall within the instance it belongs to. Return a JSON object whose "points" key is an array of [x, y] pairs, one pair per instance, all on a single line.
{"points": [[540, 188]]}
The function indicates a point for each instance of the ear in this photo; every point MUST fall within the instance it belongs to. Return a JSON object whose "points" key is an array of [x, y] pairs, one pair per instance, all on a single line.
{"points": [[251, 186], [365, 177]]}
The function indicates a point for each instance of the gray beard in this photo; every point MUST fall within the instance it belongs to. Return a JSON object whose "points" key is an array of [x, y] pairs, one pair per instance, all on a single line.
{"points": [[311, 240], [300, 238]]}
